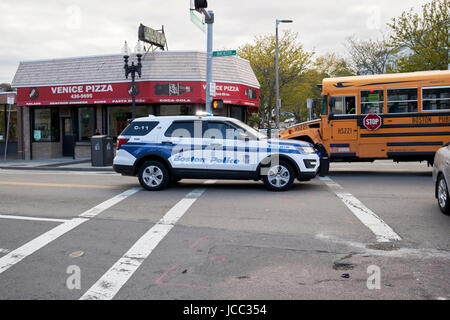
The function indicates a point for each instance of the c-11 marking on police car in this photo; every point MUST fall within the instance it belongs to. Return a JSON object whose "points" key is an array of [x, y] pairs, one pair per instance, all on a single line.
{"points": [[163, 149]]}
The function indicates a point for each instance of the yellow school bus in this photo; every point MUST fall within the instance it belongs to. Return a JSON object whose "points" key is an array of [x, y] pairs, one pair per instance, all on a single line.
{"points": [[403, 117]]}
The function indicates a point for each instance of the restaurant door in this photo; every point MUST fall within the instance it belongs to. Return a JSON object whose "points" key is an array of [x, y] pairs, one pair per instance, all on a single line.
{"points": [[68, 139]]}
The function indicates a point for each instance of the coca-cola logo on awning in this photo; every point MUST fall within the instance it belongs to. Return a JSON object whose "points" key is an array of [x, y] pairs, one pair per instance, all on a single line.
{"points": [[130, 89], [33, 93]]}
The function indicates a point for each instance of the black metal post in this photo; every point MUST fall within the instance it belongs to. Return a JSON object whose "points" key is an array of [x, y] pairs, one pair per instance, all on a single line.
{"points": [[133, 69]]}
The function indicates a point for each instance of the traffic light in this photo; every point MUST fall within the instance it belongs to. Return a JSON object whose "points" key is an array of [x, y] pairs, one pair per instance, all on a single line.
{"points": [[200, 4], [217, 104]]}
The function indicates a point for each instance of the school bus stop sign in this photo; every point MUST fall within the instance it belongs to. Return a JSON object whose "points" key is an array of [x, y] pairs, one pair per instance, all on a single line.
{"points": [[372, 121]]}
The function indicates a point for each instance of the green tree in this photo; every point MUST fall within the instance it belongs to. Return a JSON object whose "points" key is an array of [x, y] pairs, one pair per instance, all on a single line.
{"points": [[293, 63], [422, 38], [324, 66], [330, 65], [369, 56]]}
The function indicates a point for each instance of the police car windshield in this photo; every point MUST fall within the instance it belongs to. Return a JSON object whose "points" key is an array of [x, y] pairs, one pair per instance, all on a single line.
{"points": [[249, 130]]}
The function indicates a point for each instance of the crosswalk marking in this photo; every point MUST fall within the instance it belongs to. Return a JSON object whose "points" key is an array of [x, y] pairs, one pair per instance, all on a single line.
{"points": [[382, 231], [34, 245], [116, 277]]}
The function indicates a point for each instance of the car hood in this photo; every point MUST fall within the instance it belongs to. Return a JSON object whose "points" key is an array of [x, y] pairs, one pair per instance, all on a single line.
{"points": [[289, 142]]}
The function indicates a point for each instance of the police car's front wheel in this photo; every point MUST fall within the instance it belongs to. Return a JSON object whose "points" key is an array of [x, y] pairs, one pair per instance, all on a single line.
{"points": [[279, 177], [153, 175]]}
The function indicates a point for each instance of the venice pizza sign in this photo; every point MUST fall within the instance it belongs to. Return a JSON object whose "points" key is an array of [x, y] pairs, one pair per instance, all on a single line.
{"points": [[372, 121]]}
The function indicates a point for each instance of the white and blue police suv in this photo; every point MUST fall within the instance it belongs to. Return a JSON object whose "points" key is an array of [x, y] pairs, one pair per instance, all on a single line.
{"points": [[163, 149]]}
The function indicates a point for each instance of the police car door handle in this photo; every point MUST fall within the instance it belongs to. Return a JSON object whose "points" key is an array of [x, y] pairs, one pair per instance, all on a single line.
{"points": [[166, 142]]}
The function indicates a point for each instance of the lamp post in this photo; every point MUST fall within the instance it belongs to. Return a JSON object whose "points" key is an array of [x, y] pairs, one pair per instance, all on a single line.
{"points": [[133, 69], [278, 102]]}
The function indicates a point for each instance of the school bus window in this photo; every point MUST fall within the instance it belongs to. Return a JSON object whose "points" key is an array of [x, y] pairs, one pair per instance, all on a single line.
{"points": [[436, 98], [350, 105], [402, 100], [344, 105], [372, 101]]}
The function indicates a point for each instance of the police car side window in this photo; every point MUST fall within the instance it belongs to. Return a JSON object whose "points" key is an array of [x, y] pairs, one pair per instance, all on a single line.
{"points": [[216, 130], [184, 129], [139, 128]]}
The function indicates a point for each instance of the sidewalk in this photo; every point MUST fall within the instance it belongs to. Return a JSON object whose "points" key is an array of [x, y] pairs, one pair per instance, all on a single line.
{"points": [[55, 164]]}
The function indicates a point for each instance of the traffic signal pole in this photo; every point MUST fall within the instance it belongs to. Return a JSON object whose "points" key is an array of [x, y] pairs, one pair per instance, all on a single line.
{"points": [[209, 20]]}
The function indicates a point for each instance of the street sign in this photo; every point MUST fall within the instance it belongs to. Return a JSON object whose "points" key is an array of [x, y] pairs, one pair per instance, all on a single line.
{"points": [[372, 121], [152, 36], [224, 53], [212, 89], [10, 99], [309, 103], [195, 19]]}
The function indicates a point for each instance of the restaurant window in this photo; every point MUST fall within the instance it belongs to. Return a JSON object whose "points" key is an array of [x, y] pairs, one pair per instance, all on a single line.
{"points": [[86, 123], [4, 110], [372, 101], [402, 100], [118, 117], [45, 126], [237, 113], [436, 98]]}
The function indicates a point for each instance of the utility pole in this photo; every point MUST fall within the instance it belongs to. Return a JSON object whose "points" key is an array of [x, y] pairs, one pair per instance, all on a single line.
{"points": [[277, 85], [209, 20], [200, 6]]}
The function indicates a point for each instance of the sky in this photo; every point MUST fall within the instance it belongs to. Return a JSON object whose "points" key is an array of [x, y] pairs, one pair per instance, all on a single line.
{"points": [[46, 29]]}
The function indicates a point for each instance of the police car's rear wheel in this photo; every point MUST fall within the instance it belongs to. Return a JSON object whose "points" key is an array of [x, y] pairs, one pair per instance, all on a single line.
{"points": [[154, 175], [279, 177]]}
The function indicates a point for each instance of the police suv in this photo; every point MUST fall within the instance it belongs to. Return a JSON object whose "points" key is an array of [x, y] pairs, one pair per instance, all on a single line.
{"points": [[160, 150]]}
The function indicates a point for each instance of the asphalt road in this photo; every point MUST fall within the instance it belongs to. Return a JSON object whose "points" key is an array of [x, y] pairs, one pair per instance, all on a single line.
{"points": [[370, 231]]}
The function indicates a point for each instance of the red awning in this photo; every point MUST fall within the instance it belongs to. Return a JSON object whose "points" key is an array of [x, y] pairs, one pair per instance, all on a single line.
{"points": [[148, 92]]}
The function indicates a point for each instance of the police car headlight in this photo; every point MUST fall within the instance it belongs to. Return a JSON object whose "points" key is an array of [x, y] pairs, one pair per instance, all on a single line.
{"points": [[306, 150]]}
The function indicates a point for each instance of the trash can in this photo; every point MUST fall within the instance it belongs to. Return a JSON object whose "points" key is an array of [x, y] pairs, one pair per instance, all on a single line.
{"points": [[102, 152]]}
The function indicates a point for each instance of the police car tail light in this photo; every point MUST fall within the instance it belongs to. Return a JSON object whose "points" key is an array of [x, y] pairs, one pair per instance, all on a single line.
{"points": [[121, 141]]}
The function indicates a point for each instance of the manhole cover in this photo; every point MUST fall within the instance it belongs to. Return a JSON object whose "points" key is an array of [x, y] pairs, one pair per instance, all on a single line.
{"points": [[76, 254]]}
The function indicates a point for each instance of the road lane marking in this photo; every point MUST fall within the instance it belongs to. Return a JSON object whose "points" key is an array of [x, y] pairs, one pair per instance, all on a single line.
{"points": [[116, 277], [382, 231], [54, 172], [41, 241], [62, 185], [7, 216]]}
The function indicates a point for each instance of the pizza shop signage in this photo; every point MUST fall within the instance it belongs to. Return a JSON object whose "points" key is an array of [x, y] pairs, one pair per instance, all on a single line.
{"points": [[148, 92]]}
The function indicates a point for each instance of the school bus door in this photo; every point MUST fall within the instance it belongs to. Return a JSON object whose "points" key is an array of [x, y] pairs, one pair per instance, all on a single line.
{"points": [[343, 129], [342, 110]]}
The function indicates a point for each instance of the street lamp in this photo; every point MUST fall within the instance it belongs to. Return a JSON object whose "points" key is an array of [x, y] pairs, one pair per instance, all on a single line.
{"points": [[133, 69], [278, 102]]}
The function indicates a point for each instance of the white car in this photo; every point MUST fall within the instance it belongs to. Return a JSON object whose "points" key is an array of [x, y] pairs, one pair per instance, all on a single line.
{"points": [[163, 149], [441, 178]]}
